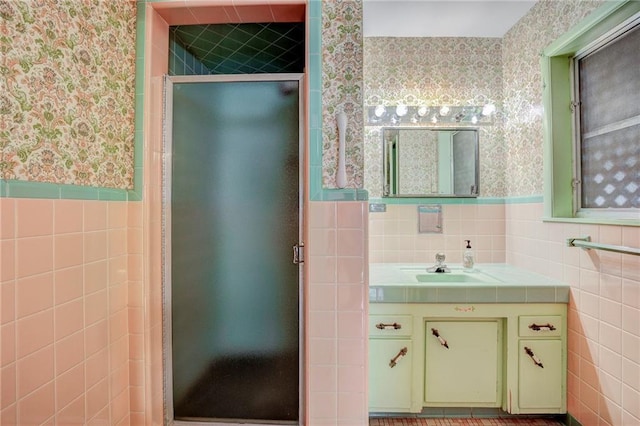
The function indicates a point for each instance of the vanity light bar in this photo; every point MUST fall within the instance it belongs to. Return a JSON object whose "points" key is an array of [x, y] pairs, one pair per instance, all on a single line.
{"points": [[420, 115]]}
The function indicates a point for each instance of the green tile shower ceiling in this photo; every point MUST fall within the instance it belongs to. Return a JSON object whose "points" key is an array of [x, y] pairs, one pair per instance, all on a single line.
{"points": [[245, 48]]}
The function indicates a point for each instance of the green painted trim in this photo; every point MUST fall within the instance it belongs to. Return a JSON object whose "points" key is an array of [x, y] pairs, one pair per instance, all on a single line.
{"points": [[557, 97], [600, 21]]}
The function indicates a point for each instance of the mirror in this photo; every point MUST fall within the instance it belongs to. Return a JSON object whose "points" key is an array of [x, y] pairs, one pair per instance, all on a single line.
{"points": [[430, 162]]}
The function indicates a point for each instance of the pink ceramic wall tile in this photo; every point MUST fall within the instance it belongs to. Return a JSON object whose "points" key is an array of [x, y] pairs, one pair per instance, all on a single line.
{"points": [[95, 338], [96, 307], [350, 215], [34, 217], [324, 408], [70, 386], [8, 385], [7, 218], [120, 408], [323, 378], [72, 414], [97, 399], [118, 325], [352, 297], [322, 242], [69, 352], [118, 242], [322, 216], [323, 270], [68, 216], [119, 380], [34, 294], [96, 276], [118, 299], [69, 318], [7, 260], [95, 246], [68, 250], [34, 332], [34, 256], [324, 352], [34, 371], [322, 297], [68, 284], [351, 270], [37, 407], [8, 347], [350, 242], [118, 270], [351, 408], [95, 216], [351, 324], [97, 368]]}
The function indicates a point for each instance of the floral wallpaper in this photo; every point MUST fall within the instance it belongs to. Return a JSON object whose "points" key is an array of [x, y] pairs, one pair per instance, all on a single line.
{"points": [[521, 46], [342, 88], [67, 101], [435, 71]]}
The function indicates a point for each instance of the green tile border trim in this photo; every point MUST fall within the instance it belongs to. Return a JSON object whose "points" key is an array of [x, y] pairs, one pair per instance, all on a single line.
{"points": [[466, 201], [24, 189]]}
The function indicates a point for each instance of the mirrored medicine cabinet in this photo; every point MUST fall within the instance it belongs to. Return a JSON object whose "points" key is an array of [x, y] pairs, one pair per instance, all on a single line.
{"points": [[430, 162]]}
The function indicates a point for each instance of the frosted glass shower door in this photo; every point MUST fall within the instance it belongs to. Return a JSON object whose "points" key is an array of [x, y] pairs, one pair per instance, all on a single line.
{"points": [[233, 215]]}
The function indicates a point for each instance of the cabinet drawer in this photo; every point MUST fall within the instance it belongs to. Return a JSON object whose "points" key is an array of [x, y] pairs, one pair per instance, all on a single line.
{"points": [[543, 325], [390, 325]]}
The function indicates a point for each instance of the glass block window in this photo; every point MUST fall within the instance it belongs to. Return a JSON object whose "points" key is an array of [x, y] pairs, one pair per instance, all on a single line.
{"points": [[607, 101]]}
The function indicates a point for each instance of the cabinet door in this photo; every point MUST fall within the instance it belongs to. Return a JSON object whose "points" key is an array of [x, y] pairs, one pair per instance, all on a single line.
{"points": [[465, 371], [389, 383], [540, 374]]}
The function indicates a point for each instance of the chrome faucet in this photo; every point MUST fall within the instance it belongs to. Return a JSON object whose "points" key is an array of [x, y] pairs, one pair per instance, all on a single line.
{"points": [[440, 266]]}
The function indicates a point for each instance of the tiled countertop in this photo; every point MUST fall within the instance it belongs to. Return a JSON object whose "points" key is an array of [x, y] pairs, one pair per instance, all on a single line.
{"points": [[388, 283]]}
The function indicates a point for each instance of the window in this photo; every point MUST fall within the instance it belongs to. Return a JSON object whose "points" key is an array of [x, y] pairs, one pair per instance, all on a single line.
{"points": [[607, 122], [592, 118]]}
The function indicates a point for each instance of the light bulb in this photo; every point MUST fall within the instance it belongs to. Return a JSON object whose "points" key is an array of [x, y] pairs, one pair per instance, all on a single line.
{"points": [[422, 111], [474, 119], [444, 110], [401, 110], [380, 111], [488, 109]]}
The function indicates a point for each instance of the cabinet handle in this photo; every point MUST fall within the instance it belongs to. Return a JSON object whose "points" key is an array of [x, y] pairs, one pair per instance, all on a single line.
{"points": [[394, 361], [383, 326], [542, 327], [533, 356], [440, 339]]}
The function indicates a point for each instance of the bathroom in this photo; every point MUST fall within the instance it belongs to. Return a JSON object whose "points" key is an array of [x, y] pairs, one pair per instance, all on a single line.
{"points": [[81, 305]]}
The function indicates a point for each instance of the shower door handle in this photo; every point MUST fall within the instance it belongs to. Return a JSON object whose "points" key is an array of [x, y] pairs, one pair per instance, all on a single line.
{"points": [[298, 253]]}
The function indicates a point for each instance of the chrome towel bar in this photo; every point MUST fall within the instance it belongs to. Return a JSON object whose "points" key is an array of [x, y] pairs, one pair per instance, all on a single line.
{"points": [[586, 243]]}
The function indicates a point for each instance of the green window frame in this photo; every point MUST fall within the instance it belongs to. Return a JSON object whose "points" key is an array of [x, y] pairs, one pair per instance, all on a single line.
{"points": [[558, 119]]}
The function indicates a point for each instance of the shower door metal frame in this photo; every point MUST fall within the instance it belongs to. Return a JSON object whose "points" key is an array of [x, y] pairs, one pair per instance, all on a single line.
{"points": [[167, 146]]}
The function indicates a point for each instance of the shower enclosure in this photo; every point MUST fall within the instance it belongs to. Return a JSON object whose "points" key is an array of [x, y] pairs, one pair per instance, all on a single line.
{"points": [[232, 210]]}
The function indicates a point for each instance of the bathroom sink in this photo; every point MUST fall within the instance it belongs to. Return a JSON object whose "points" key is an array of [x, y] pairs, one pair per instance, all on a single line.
{"points": [[452, 278], [455, 275]]}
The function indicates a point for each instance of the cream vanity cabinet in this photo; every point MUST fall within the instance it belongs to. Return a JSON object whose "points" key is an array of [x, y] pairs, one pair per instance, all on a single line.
{"points": [[540, 359], [462, 363], [390, 362], [506, 355]]}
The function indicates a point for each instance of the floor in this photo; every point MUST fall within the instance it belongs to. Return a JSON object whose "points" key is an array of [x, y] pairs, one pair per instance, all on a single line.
{"points": [[389, 421]]}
